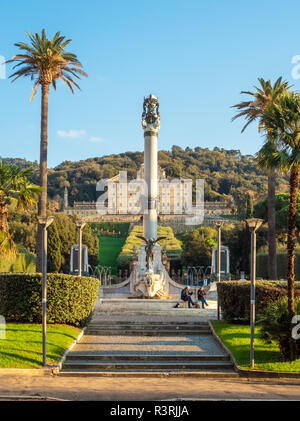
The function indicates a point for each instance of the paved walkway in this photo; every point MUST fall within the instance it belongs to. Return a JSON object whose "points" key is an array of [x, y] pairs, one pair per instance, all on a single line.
{"points": [[151, 388], [149, 335], [156, 310], [136, 389], [148, 345]]}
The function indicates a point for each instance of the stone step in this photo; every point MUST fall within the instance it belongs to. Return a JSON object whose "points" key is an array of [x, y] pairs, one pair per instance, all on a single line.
{"points": [[143, 357], [145, 332], [152, 323], [212, 373], [146, 365], [147, 327]]}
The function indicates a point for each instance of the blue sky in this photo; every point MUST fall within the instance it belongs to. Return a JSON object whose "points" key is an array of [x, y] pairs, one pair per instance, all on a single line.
{"points": [[195, 55]]}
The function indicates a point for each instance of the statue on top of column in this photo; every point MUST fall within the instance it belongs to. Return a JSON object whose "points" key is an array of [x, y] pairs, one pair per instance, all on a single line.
{"points": [[151, 116]]}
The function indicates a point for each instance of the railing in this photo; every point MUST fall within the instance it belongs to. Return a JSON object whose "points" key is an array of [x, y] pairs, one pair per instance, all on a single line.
{"points": [[192, 275]]}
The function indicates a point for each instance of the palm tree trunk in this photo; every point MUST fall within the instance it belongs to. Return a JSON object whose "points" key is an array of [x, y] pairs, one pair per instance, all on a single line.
{"points": [[42, 206], [272, 260], [294, 184]]}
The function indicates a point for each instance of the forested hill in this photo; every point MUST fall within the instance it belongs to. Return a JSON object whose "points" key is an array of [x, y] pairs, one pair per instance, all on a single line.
{"points": [[226, 172]]}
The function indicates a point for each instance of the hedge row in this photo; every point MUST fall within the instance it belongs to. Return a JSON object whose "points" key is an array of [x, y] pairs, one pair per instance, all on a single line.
{"points": [[71, 299], [234, 297]]}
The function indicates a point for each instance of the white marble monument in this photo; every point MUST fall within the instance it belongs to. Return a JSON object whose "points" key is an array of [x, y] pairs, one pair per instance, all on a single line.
{"points": [[149, 277]]}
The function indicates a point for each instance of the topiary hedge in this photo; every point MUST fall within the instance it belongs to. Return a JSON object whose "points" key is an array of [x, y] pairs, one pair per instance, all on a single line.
{"points": [[71, 299], [234, 297]]}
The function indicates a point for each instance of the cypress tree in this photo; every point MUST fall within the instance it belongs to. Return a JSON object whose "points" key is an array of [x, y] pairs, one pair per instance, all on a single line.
{"points": [[54, 249], [249, 209]]}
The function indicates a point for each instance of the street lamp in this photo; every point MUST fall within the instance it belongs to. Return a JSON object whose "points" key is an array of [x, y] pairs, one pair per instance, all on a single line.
{"points": [[44, 222], [219, 224], [80, 225], [253, 224]]}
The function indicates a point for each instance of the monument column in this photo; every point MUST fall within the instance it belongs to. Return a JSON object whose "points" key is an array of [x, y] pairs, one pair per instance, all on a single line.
{"points": [[151, 125]]}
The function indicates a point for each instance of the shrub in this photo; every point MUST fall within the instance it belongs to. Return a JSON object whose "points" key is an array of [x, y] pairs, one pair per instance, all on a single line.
{"points": [[234, 297], [276, 326], [71, 299]]}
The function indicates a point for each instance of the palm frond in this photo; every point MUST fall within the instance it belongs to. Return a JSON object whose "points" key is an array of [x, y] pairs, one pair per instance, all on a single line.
{"points": [[45, 61]]}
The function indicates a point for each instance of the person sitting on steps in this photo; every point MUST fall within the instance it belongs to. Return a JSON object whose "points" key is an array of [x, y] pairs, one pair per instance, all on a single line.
{"points": [[202, 297], [186, 294]]}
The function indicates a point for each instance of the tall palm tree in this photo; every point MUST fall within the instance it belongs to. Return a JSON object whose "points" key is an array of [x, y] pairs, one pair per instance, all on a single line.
{"points": [[45, 61], [14, 183], [283, 123], [252, 111]]}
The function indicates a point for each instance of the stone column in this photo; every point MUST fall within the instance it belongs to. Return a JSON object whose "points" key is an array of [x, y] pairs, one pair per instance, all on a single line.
{"points": [[151, 124]]}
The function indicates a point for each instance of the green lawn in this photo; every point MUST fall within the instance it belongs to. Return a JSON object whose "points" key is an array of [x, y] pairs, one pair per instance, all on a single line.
{"points": [[267, 356], [109, 250], [22, 347]]}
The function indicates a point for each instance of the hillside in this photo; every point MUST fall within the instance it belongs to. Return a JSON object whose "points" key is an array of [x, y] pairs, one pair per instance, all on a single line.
{"points": [[226, 172]]}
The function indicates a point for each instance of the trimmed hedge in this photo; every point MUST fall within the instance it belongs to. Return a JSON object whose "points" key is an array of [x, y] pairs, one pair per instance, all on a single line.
{"points": [[234, 297], [71, 299]]}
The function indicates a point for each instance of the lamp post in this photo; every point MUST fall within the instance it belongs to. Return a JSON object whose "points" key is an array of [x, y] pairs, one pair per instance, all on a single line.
{"points": [[219, 225], [44, 222], [80, 225], [253, 224]]}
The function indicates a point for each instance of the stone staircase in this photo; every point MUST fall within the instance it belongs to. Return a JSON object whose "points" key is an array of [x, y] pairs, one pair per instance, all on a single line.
{"points": [[148, 347]]}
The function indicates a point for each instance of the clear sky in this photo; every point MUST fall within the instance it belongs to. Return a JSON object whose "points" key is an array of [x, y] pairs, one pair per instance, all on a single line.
{"points": [[195, 55]]}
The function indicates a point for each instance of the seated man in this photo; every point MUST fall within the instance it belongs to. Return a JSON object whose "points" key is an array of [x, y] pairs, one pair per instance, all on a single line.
{"points": [[186, 296]]}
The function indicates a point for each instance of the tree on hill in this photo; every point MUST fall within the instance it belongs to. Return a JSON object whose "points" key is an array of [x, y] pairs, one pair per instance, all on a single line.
{"points": [[226, 173]]}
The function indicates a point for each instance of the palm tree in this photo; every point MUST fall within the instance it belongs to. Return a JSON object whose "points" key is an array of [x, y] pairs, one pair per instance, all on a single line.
{"points": [[283, 123], [45, 61], [14, 183], [253, 110]]}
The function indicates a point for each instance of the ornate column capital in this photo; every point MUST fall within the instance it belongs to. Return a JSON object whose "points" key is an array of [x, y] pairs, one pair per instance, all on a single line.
{"points": [[151, 116]]}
